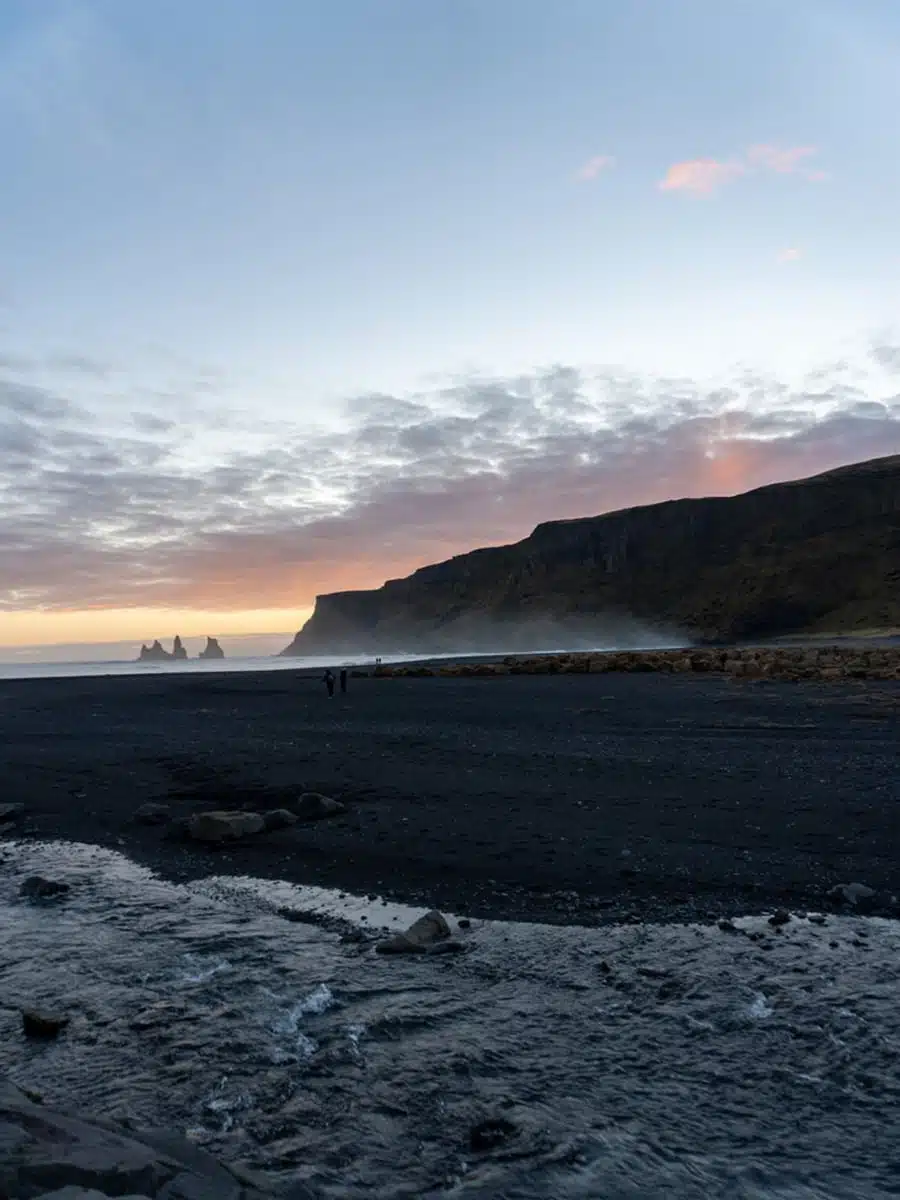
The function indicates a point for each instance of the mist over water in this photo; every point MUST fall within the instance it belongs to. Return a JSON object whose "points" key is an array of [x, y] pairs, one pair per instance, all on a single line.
{"points": [[474, 635], [630, 1061], [491, 641]]}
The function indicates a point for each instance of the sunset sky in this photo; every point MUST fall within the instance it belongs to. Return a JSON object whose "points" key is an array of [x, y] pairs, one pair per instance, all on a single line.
{"points": [[297, 296]]}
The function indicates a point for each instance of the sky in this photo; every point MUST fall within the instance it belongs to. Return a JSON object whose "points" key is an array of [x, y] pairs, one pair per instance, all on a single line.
{"points": [[297, 297]]}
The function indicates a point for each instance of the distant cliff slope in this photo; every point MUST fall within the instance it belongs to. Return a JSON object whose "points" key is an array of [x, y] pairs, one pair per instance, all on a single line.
{"points": [[814, 555]]}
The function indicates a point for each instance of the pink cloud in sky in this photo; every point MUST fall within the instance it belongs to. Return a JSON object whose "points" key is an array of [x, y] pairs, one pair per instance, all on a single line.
{"points": [[790, 254], [594, 167], [704, 176], [700, 176], [784, 161]]}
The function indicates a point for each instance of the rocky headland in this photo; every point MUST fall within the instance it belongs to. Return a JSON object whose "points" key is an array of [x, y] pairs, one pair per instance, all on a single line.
{"points": [[800, 558]]}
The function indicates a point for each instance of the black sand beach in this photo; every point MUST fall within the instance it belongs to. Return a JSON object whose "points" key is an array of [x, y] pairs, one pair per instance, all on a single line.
{"points": [[561, 798]]}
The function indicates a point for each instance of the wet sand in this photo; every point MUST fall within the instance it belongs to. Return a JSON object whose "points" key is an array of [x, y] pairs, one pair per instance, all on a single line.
{"points": [[562, 798]]}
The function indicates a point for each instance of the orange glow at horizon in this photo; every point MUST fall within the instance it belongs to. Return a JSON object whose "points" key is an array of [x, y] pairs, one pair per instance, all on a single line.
{"points": [[208, 602], [55, 627]]}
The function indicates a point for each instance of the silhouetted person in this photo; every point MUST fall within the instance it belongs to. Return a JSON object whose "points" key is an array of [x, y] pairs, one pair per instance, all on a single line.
{"points": [[328, 680], [343, 678]]}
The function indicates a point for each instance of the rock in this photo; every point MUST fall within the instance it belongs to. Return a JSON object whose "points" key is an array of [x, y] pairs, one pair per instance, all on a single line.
{"points": [[212, 649], [488, 1135], [154, 653], [279, 818], [73, 1192], [39, 1024], [353, 937], [780, 917], [152, 814], [11, 812], [36, 887], [224, 826], [423, 934], [447, 948], [46, 1155], [300, 1191], [727, 926], [851, 893], [313, 807], [157, 653], [464, 923]]}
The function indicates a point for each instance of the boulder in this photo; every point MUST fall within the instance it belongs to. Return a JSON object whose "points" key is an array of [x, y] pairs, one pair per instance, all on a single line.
{"points": [[39, 1024], [421, 936], [224, 826], [314, 807], [443, 948], [490, 1134], [46, 1155], [152, 814], [36, 887], [279, 818], [851, 893]]}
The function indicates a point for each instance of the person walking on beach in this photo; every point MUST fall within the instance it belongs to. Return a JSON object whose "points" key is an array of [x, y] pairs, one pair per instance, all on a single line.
{"points": [[328, 680], [343, 678]]}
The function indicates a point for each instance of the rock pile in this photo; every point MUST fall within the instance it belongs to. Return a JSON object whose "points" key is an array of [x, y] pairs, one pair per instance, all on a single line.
{"points": [[827, 663], [217, 826]]}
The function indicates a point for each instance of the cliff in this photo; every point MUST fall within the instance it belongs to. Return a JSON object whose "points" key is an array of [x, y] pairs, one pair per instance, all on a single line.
{"points": [[212, 649], [815, 555]]}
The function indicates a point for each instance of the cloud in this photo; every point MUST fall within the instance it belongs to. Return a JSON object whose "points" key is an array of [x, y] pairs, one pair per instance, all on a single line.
{"points": [[145, 513], [700, 176], [790, 254], [595, 166], [781, 160], [705, 176]]}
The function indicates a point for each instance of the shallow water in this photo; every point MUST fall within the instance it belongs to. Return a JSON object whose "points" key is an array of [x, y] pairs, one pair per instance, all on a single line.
{"points": [[633, 1061]]}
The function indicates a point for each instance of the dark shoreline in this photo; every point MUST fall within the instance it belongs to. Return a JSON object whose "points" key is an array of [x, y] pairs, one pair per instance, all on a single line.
{"points": [[567, 799]]}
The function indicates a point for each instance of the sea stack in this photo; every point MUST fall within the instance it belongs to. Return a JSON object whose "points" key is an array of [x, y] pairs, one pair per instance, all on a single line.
{"points": [[212, 649], [154, 653], [158, 653]]}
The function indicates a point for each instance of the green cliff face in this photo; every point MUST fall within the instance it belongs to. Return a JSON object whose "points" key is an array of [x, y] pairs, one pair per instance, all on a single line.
{"points": [[816, 555]]}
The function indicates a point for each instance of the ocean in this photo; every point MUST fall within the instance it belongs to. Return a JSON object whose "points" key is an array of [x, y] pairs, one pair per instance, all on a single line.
{"points": [[191, 666], [628, 1061]]}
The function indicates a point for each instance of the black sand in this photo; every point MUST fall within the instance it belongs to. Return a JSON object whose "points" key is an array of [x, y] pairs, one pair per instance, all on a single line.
{"points": [[561, 798]]}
